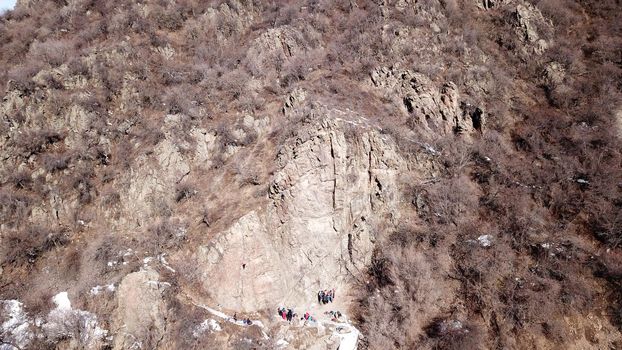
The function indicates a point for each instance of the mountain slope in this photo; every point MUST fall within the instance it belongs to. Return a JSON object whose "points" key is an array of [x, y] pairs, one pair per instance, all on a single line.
{"points": [[452, 168]]}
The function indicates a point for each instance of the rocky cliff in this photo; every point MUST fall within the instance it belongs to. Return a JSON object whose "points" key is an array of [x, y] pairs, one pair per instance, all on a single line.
{"points": [[173, 173]]}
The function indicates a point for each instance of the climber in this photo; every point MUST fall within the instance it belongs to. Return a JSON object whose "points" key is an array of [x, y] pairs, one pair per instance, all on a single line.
{"points": [[289, 315], [284, 314], [243, 266], [320, 296], [249, 322], [235, 317]]}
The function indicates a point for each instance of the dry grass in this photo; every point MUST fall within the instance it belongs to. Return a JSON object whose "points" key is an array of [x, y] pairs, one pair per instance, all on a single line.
{"points": [[553, 174]]}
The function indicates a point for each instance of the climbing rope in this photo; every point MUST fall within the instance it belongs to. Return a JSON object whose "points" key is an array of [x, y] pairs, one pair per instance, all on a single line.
{"points": [[243, 268]]}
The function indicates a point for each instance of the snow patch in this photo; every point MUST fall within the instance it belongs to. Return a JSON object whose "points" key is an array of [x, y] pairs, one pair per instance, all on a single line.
{"points": [[98, 289], [485, 240], [158, 284], [232, 320], [15, 327], [213, 325], [209, 324], [162, 260], [62, 301], [64, 322]]}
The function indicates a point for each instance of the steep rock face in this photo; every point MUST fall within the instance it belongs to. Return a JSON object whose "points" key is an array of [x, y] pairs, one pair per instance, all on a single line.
{"points": [[277, 44], [316, 233], [531, 28], [435, 110], [141, 311], [229, 18], [153, 180]]}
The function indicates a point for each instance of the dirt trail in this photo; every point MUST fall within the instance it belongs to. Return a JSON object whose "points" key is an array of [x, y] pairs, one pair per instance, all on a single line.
{"points": [[348, 334]]}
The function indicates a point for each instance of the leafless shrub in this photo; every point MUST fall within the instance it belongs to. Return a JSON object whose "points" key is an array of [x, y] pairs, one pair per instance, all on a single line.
{"points": [[83, 184], [453, 334], [21, 179], [73, 263], [55, 162], [35, 141], [53, 52], [110, 198], [167, 18], [20, 77], [14, 208], [78, 67], [166, 235], [27, 245], [185, 191]]}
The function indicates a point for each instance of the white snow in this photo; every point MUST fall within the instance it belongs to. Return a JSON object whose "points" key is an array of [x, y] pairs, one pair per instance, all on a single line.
{"points": [[348, 334], [59, 323], [485, 240], [213, 325], [162, 260], [98, 289], [210, 323], [231, 320], [62, 301], [158, 284], [349, 341], [16, 326]]}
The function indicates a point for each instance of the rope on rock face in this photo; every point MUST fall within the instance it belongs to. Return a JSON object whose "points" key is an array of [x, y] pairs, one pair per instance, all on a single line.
{"points": [[297, 285], [243, 268]]}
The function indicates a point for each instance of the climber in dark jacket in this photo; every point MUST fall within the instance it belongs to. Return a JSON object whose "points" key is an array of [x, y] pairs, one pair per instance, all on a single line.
{"points": [[289, 315]]}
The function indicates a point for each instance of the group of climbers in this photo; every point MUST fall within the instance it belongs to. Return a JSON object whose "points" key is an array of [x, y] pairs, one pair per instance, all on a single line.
{"points": [[287, 314], [246, 321], [308, 317], [325, 296], [334, 315]]}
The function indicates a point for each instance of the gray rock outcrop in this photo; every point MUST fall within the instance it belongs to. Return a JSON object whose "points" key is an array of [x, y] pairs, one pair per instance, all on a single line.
{"points": [[140, 316], [316, 233], [436, 110]]}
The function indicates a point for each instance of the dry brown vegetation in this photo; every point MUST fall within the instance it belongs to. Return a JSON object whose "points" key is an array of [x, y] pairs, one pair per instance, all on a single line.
{"points": [[546, 168]]}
